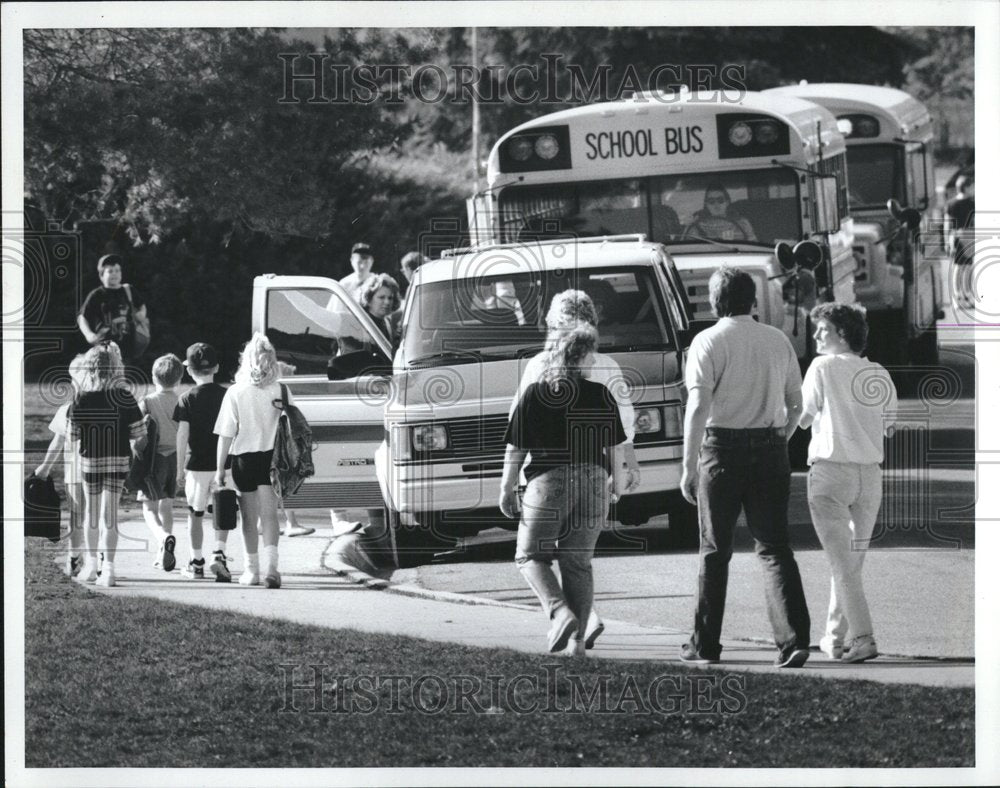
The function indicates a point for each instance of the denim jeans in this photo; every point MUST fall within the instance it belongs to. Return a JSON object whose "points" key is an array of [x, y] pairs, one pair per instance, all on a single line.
{"points": [[748, 470], [844, 499], [562, 514]]}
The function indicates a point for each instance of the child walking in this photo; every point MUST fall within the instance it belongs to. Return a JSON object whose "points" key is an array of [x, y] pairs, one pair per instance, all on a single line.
{"points": [[195, 414], [106, 422], [247, 426], [157, 495], [848, 400], [61, 445]]}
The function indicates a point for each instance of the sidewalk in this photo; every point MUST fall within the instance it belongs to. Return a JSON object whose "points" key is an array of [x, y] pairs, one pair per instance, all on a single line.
{"points": [[313, 594]]}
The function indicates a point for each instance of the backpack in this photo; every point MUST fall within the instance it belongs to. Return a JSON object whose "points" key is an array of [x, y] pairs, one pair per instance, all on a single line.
{"points": [[291, 463], [41, 508]]}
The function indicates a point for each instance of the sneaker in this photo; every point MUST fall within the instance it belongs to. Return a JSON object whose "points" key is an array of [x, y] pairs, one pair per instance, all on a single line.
{"points": [[576, 648], [564, 626], [167, 559], [219, 569], [250, 578], [691, 655], [595, 628], [195, 570], [834, 649], [272, 579], [107, 578], [88, 574], [795, 658], [861, 649], [74, 564]]}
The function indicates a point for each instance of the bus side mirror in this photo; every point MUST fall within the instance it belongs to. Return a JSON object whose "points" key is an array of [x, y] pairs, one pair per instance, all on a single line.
{"points": [[827, 209], [907, 216]]}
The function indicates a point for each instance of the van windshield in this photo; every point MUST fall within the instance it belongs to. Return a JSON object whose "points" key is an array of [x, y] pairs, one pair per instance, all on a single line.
{"points": [[503, 317]]}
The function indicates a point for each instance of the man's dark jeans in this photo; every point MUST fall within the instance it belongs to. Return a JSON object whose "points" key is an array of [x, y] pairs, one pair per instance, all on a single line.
{"points": [[747, 469]]}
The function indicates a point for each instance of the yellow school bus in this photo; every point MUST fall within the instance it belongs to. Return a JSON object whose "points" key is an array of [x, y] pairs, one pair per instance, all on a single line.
{"points": [[717, 178], [889, 158]]}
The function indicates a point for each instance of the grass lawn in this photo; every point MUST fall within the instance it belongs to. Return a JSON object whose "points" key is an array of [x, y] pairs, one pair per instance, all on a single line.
{"points": [[134, 682]]}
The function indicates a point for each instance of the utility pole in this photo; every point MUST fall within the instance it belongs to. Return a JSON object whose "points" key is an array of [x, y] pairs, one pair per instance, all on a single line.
{"points": [[475, 113]]}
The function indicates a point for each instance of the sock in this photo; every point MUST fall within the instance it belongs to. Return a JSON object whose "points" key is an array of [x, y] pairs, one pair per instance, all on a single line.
{"points": [[253, 562], [270, 559], [108, 566], [220, 546], [196, 555]]}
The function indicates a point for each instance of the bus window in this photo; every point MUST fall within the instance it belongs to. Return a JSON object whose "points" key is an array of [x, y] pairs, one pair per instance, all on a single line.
{"points": [[874, 175], [756, 205]]}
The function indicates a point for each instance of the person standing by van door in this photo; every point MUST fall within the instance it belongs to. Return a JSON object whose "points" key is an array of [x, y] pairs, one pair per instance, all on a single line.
{"points": [[744, 400]]}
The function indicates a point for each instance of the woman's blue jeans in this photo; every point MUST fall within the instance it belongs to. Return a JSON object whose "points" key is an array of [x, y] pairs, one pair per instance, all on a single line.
{"points": [[562, 514], [748, 470]]}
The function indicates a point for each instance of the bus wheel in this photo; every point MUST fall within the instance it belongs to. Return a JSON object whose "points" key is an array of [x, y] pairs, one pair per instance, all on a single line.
{"points": [[413, 543], [682, 517]]}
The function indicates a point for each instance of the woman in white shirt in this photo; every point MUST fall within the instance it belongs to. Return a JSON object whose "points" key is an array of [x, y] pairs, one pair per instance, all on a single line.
{"points": [[848, 401], [247, 425]]}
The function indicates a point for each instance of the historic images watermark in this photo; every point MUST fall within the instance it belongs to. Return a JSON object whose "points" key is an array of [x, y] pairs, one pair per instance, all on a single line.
{"points": [[314, 78], [315, 689]]}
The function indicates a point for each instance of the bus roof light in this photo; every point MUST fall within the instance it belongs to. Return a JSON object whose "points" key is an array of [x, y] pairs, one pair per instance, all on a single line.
{"points": [[547, 147], [740, 134], [520, 148]]}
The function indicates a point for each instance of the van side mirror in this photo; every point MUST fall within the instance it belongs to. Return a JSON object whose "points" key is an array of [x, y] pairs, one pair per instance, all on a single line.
{"points": [[906, 216]]}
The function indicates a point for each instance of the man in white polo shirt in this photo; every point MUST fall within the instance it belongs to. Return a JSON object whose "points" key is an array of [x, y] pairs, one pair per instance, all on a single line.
{"points": [[744, 399]]}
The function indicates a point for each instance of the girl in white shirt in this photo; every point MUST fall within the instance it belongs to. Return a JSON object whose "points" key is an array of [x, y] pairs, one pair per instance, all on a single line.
{"points": [[848, 401], [247, 425]]}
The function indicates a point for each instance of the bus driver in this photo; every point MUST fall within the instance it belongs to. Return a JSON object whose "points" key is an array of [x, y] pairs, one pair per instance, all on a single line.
{"points": [[715, 220]]}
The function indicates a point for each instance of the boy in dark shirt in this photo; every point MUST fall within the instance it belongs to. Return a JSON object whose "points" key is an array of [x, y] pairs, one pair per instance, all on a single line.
{"points": [[110, 311], [196, 413]]}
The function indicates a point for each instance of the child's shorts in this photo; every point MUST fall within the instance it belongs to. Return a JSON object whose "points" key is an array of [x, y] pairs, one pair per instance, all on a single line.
{"points": [[162, 482], [198, 489], [104, 474], [252, 470]]}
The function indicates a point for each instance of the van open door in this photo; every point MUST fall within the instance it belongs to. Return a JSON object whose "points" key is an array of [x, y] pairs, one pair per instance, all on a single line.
{"points": [[337, 365]]}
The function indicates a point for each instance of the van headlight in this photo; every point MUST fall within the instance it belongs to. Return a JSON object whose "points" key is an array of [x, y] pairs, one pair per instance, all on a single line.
{"points": [[429, 437], [647, 420]]}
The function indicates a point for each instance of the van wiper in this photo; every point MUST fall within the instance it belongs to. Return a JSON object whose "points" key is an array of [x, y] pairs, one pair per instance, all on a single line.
{"points": [[455, 356]]}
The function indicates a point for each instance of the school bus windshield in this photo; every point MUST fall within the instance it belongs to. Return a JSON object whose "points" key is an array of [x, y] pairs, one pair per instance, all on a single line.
{"points": [[502, 318], [752, 206], [874, 175]]}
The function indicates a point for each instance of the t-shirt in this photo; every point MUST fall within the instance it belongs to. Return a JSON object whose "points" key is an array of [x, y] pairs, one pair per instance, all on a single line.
{"points": [[962, 211], [605, 371], [161, 405], [572, 425], [249, 415], [60, 426], [104, 422], [200, 407], [105, 306], [749, 367], [851, 400]]}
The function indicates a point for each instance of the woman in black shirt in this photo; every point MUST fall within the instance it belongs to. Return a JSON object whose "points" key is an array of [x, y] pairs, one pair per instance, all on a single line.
{"points": [[570, 426]]}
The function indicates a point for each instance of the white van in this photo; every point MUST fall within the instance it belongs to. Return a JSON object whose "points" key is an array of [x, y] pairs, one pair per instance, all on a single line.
{"points": [[473, 320], [425, 434]]}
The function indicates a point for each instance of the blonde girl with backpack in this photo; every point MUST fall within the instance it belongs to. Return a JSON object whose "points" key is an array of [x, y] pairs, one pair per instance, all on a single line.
{"points": [[247, 425]]}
